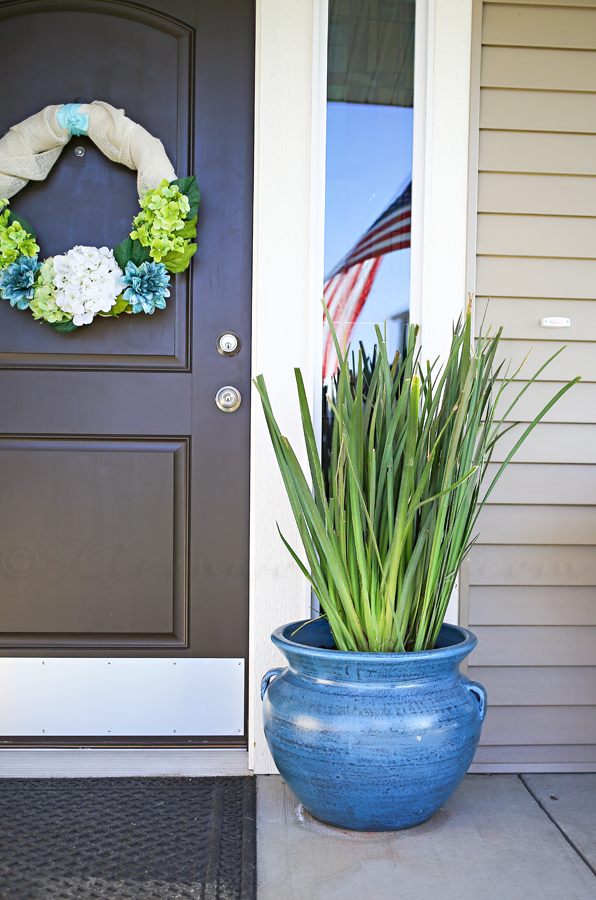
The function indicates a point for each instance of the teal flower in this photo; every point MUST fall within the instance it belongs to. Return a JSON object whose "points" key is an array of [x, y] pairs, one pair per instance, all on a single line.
{"points": [[17, 281], [146, 286]]}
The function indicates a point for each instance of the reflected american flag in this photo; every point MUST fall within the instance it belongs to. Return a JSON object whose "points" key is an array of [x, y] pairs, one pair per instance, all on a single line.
{"points": [[347, 287]]}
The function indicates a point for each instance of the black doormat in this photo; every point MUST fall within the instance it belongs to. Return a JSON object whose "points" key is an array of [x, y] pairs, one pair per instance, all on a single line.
{"points": [[128, 838]]}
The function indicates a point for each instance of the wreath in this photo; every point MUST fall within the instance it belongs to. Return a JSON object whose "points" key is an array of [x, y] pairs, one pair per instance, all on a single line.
{"points": [[68, 291]]}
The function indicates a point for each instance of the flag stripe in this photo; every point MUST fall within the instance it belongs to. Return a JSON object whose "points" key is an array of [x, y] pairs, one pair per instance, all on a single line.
{"points": [[382, 227], [349, 284], [395, 219], [351, 296]]}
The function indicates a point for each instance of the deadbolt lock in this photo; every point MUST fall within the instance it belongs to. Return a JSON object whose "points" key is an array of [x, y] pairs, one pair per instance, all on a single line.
{"points": [[228, 343], [228, 399]]}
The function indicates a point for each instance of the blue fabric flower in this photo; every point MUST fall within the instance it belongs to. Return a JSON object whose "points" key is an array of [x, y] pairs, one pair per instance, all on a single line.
{"points": [[147, 286], [18, 279]]}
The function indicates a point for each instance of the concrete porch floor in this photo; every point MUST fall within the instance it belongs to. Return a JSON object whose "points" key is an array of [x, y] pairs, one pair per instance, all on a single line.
{"points": [[500, 837]]}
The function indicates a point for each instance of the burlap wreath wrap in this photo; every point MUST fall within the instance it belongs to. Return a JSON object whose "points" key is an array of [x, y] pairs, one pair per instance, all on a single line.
{"points": [[30, 149]]}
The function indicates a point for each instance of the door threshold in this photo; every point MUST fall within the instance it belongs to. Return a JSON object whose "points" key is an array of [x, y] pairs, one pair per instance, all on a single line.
{"points": [[46, 762]]}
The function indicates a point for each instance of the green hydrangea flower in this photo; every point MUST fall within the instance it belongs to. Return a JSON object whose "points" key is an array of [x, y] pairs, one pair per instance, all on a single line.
{"points": [[43, 305], [14, 240], [163, 211]]}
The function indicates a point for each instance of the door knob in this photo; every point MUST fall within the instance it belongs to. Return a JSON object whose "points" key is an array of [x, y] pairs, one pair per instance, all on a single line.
{"points": [[228, 343], [228, 399]]}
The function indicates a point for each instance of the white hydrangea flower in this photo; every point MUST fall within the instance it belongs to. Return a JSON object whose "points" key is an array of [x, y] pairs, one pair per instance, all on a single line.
{"points": [[86, 282]]}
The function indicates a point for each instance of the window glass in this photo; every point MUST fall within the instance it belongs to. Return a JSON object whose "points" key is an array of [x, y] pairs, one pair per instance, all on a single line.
{"points": [[368, 171]]}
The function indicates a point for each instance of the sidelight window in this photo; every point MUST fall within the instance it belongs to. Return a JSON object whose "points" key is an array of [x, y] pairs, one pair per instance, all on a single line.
{"points": [[370, 82]]}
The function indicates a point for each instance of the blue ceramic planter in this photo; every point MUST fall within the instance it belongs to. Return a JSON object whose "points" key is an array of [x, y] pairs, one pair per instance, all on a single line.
{"points": [[371, 741]]}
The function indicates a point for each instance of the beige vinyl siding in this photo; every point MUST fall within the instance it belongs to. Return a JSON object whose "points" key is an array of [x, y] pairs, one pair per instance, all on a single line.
{"points": [[535, 606], [499, 276], [535, 758], [547, 443], [538, 111], [528, 564], [543, 483], [577, 405], [538, 525], [526, 26], [520, 318], [532, 575], [541, 724], [561, 3], [528, 356], [565, 237], [564, 686], [534, 69], [535, 153], [552, 195]]}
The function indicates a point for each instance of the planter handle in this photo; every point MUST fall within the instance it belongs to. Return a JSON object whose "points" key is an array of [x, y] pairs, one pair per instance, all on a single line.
{"points": [[267, 677], [479, 692]]}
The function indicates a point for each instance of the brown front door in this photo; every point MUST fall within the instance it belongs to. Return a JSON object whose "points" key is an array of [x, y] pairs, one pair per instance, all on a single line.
{"points": [[124, 489]]}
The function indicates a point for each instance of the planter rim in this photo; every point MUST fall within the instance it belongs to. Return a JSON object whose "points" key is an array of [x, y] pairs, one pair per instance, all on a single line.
{"points": [[466, 643]]}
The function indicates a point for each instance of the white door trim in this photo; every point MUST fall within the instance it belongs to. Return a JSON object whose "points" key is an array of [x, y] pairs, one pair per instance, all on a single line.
{"points": [[290, 83], [442, 196], [287, 261], [440, 169]]}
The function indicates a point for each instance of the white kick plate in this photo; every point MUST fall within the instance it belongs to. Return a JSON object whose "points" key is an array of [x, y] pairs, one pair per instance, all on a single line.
{"points": [[121, 697]]}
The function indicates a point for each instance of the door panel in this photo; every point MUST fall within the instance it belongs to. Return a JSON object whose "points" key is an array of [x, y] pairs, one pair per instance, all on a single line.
{"points": [[90, 199], [96, 529], [124, 516]]}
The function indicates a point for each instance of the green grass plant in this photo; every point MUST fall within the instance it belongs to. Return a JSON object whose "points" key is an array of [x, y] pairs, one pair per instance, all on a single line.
{"points": [[388, 521]]}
